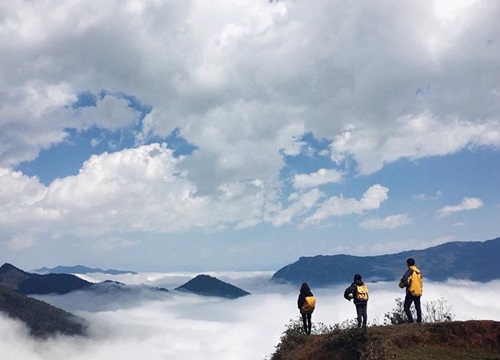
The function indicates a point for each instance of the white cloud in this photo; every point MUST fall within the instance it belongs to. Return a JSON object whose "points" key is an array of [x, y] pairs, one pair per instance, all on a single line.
{"points": [[318, 178], [110, 112], [298, 205], [338, 206], [242, 82], [140, 189], [265, 56], [465, 205], [389, 222], [424, 197], [412, 137]]}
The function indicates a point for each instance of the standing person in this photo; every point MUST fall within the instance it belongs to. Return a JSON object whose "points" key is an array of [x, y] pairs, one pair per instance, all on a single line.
{"points": [[412, 281], [306, 303], [359, 292]]}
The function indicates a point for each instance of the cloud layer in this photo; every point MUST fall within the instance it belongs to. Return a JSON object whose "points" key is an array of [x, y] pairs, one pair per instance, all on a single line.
{"points": [[182, 326]]}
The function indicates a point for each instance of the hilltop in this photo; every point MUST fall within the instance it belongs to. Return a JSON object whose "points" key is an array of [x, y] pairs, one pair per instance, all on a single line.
{"points": [[458, 340], [209, 286], [472, 260], [27, 283]]}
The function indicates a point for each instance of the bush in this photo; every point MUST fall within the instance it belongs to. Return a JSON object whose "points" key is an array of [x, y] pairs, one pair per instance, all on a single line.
{"points": [[435, 311], [292, 337], [438, 311], [397, 315]]}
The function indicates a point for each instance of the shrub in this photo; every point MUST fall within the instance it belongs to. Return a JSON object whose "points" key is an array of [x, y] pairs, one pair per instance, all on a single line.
{"points": [[435, 311], [438, 311], [396, 315], [292, 337]]}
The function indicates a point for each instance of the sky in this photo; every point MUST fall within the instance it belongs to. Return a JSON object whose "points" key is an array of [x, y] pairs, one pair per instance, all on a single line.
{"points": [[241, 135], [184, 326]]}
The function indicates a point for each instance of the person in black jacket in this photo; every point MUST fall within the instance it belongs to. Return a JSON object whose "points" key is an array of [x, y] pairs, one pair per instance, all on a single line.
{"points": [[305, 291], [361, 305]]}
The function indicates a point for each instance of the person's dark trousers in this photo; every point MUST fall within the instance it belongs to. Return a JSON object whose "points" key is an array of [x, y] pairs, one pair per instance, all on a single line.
{"points": [[361, 312], [409, 299], [306, 320]]}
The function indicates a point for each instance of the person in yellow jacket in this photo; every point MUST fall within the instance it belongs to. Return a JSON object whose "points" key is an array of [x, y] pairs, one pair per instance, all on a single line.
{"points": [[412, 281]]}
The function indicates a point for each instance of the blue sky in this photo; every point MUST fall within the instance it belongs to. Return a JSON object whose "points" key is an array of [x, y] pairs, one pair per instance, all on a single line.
{"points": [[201, 135]]}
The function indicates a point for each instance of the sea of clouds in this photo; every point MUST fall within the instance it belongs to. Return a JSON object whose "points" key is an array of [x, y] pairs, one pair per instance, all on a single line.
{"points": [[141, 324]]}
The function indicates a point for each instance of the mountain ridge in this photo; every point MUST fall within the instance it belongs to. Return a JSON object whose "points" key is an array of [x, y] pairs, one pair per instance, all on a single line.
{"points": [[79, 269], [472, 260], [28, 283]]}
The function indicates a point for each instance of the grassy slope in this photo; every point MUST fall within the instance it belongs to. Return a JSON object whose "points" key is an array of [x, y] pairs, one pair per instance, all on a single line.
{"points": [[458, 340]]}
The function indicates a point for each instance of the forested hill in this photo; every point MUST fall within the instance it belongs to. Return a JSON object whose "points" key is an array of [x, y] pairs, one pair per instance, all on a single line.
{"points": [[474, 260], [42, 319]]}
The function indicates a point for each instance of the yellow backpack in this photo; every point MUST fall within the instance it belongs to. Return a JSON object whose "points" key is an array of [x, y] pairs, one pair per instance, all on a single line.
{"points": [[362, 292], [309, 305], [415, 282]]}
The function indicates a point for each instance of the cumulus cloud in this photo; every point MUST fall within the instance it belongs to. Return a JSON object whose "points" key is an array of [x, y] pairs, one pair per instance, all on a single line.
{"points": [[298, 205], [320, 177], [246, 69], [465, 205], [147, 189], [184, 326], [389, 222], [242, 82], [338, 206], [135, 190], [413, 137]]}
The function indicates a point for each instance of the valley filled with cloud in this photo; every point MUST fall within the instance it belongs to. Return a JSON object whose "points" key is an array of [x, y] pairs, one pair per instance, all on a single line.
{"points": [[175, 325]]}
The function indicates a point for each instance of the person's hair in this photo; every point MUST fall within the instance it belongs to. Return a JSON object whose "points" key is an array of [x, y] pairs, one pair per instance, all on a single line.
{"points": [[357, 277], [410, 261], [305, 288]]}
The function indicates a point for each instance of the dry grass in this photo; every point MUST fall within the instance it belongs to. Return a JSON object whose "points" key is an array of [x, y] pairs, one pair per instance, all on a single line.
{"points": [[449, 340]]}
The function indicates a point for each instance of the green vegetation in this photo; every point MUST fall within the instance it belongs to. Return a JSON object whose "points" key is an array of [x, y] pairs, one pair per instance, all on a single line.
{"points": [[432, 311], [437, 338], [457, 340]]}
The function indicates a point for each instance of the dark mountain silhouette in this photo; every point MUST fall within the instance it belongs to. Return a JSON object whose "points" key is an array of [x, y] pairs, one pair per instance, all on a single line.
{"points": [[42, 319], [457, 340], [30, 284], [209, 286], [474, 260], [79, 269], [36, 284]]}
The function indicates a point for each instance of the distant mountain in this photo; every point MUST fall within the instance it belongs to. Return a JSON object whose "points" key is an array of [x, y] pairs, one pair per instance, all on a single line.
{"points": [[41, 318], [209, 286], [28, 283], [475, 260], [80, 269]]}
